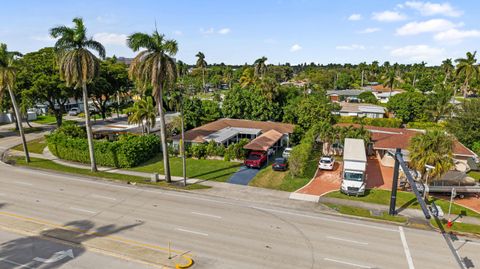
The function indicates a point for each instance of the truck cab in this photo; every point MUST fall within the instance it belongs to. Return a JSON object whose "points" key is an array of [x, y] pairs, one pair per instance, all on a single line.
{"points": [[354, 167]]}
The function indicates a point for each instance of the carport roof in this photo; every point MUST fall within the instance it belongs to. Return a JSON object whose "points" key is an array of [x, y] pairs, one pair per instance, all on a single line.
{"points": [[264, 141]]}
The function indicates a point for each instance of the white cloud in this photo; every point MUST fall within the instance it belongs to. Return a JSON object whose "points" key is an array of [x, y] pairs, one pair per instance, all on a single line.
{"points": [[355, 17], [434, 25], [111, 38], [388, 16], [455, 35], [430, 9], [350, 47], [178, 32], [416, 53], [295, 47], [369, 30], [224, 31]]}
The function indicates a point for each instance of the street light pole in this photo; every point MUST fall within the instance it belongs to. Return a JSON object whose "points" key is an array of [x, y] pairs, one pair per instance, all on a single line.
{"points": [[184, 158]]}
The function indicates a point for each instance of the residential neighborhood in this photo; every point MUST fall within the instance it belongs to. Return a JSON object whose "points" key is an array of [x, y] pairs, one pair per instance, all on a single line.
{"points": [[208, 135]]}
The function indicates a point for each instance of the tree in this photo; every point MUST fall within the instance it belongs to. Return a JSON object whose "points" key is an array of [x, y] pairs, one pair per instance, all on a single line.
{"points": [[368, 97], [210, 111], [78, 66], [309, 110], [447, 68], [260, 67], [439, 102], [249, 104], [142, 111], [8, 74], [466, 123], [248, 78], [432, 148], [155, 67], [202, 64], [408, 106], [391, 77], [467, 68]]}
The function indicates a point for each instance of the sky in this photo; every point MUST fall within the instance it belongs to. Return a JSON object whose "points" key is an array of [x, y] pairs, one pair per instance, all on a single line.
{"points": [[240, 31]]}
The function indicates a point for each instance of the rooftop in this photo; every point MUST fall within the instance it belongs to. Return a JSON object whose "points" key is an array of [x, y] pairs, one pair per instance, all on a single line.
{"points": [[361, 107], [264, 141], [348, 92]]}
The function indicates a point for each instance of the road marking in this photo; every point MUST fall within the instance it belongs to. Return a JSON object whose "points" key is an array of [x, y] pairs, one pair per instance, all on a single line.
{"points": [[468, 242], [206, 215], [348, 263], [326, 219], [405, 248], [103, 197], [83, 210], [188, 231], [347, 240], [15, 263], [23, 183]]}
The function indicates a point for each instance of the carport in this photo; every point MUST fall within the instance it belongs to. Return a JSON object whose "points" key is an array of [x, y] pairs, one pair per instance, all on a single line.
{"points": [[269, 139]]}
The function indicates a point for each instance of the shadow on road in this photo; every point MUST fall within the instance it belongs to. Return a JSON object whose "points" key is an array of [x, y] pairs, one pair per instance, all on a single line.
{"points": [[43, 252]]}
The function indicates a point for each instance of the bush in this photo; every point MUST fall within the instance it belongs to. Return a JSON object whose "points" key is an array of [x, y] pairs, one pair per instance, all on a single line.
{"points": [[199, 150], [72, 130], [128, 151], [211, 149], [425, 125], [379, 122]]}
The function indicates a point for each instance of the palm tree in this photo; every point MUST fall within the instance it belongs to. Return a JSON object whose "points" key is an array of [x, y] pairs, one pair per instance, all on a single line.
{"points": [[467, 67], [432, 148], [439, 101], [79, 66], [391, 77], [143, 111], [228, 76], [447, 68], [182, 69], [202, 64], [155, 66], [260, 67], [7, 82], [248, 78]]}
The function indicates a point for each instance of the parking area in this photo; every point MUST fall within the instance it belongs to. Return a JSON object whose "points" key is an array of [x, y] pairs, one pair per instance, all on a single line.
{"points": [[378, 176], [325, 181]]}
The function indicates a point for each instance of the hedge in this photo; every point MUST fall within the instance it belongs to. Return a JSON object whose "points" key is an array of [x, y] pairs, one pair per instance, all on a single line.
{"points": [[379, 122], [302, 153], [425, 125], [128, 151]]}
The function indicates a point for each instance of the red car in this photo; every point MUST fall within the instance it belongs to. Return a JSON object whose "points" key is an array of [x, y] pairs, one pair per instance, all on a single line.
{"points": [[256, 159]]}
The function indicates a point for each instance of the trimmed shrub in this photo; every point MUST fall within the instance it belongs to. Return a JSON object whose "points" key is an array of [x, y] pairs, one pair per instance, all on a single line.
{"points": [[72, 130], [199, 151], [128, 151]]}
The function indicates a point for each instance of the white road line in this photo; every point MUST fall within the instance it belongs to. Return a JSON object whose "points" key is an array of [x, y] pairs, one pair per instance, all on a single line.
{"points": [[15, 263], [347, 240], [405, 248], [206, 215], [348, 263], [188, 231], [83, 210], [327, 219], [103, 197], [468, 242], [23, 183]]}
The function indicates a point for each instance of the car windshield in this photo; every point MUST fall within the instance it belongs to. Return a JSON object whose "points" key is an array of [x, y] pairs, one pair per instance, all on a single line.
{"points": [[353, 176], [326, 161]]}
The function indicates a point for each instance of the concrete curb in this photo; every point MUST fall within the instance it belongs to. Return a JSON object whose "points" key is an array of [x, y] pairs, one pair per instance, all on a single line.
{"points": [[184, 266], [304, 197]]}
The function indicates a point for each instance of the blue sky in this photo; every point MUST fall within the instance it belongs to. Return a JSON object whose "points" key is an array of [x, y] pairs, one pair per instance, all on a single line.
{"points": [[235, 32]]}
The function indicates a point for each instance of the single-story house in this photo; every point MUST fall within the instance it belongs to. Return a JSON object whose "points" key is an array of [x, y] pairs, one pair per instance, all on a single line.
{"points": [[384, 97], [345, 95], [360, 110], [263, 134], [386, 140]]}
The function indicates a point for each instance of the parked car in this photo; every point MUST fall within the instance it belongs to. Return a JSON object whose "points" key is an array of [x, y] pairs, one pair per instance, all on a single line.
{"points": [[286, 153], [326, 163], [256, 159], [280, 164], [74, 111]]}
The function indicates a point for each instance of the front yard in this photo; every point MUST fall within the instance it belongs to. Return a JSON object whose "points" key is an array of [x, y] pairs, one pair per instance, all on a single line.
{"points": [[216, 170], [34, 146]]}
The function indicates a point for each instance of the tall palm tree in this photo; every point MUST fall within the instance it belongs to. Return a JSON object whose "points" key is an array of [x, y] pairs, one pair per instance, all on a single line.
{"points": [[155, 66], [260, 67], [447, 68], [432, 148], [143, 111], [202, 64], [7, 82], [248, 78], [79, 66], [182, 69], [391, 77], [466, 66]]}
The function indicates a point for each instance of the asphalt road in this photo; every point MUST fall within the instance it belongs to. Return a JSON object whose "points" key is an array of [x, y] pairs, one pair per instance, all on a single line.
{"points": [[222, 233]]}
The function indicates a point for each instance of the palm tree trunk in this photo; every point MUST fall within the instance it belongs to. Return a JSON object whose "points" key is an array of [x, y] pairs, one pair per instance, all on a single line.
{"points": [[93, 164], [163, 134], [19, 123]]}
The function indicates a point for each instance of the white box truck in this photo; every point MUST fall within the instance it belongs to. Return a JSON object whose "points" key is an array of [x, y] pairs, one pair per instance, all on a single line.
{"points": [[354, 167]]}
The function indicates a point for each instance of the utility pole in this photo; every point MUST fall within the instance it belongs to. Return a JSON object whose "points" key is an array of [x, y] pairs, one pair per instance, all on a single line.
{"points": [[393, 197], [184, 157]]}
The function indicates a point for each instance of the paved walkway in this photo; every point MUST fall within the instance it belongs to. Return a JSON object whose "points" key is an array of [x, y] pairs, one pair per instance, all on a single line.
{"points": [[243, 176]]}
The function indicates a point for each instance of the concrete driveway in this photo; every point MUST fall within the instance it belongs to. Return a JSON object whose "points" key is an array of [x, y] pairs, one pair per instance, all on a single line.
{"points": [[325, 181], [243, 176]]}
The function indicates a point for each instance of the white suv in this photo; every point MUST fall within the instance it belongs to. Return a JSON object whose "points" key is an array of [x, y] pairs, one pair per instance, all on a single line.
{"points": [[286, 153], [326, 163]]}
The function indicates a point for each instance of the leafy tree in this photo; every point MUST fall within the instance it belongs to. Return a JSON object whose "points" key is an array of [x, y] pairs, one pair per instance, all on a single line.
{"points": [[155, 67], [249, 104], [78, 66], [439, 102], [192, 112], [466, 123], [368, 97], [202, 64], [408, 106], [467, 68], [8, 75], [248, 78], [344, 81], [210, 111], [116, 74], [432, 148]]}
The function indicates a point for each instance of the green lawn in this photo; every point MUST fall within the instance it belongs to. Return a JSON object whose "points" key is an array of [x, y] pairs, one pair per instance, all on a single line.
{"points": [[34, 146], [475, 175], [48, 119], [284, 181], [404, 199], [362, 212], [216, 170], [50, 165], [458, 227]]}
